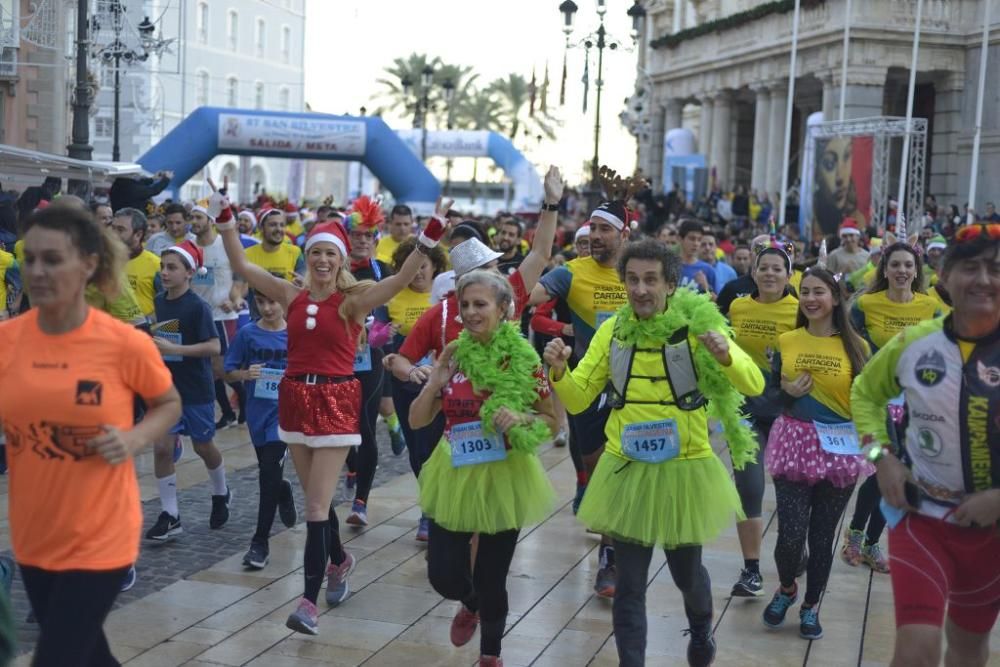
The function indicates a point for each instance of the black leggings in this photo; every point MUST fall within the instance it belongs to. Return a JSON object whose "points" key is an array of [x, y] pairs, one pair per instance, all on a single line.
{"points": [[271, 463], [483, 588], [750, 480], [807, 512], [363, 459], [71, 608], [420, 442]]}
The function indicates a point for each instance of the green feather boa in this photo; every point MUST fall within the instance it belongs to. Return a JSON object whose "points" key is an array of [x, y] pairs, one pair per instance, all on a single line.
{"points": [[699, 315], [505, 367]]}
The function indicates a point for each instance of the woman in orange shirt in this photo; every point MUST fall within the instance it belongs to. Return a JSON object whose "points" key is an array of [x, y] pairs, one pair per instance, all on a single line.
{"points": [[71, 375]]}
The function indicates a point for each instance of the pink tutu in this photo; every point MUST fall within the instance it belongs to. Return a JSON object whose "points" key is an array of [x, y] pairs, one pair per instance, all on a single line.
{"points": [[793, 453]]}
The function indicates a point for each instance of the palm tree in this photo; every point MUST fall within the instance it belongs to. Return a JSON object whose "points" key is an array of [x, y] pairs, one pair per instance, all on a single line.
{"points": [[514, 96], [462, 80], [478, 111], [411, 68]]}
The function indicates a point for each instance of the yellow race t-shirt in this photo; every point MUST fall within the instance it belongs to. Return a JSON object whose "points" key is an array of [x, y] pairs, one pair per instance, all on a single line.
{"points": [[593, 293], [7, 263], [142, 271], [880, 319], [406, 308], [757, 325], [825, 359], [386, 246], [283, 263]]}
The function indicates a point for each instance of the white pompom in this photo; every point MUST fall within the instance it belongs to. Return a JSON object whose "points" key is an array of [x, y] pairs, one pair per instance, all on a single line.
{"points": [[310, 323], [202, 271], [634, 225], [312, 309]]}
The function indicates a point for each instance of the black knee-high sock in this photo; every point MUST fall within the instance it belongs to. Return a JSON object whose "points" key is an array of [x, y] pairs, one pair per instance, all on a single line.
{"points": [[336, 549], [223, 399], [314, 559]]}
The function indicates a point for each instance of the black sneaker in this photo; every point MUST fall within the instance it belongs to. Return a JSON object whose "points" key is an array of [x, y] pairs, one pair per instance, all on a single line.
{"points": [[220, 510], [286, 505], [749, 585], [809, 627], [701, 646], [257, 557], [166, 526], [774, 615], [226, 421], [242, 418], [604, 585]]}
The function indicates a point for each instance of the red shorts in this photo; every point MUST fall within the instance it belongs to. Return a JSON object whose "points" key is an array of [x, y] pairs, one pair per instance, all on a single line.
{"points": [[937, 565], [319, 415]]}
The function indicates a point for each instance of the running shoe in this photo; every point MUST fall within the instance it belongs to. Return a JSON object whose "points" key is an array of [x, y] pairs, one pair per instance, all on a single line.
{"points": [[303, 619], [178, 448], [809, 627], [359, 514], [873, 557], [701, 646], [226, 421], [220, 510], [286, 505], [749, 585], [352, 481], [257, 556], [850, 553], [337, 588], [397, 441], [774, 615], [604, 586], [423, 529], [490, 661], [578, 498], [463, 626], [166, 526], [561, 438], [130, 578]]}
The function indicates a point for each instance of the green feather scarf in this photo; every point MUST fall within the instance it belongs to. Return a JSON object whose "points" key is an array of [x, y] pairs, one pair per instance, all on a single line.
{"points": [[505, 367], [687, 308]]}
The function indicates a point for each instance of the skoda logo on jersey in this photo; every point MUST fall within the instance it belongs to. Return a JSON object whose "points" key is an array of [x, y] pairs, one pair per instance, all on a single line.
{"points": [[929, 442], [930, 368]]}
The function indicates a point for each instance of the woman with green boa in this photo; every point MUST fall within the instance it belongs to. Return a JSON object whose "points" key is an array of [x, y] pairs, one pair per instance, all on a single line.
{"points": [[484, 477], [671, 365]]}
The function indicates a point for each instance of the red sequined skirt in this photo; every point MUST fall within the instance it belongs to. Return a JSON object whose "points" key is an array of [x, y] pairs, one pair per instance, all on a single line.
{"points": [[319, 415]]}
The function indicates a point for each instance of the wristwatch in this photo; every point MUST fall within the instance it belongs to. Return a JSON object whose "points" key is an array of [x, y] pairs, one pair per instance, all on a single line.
{"points": [[875, 452], [550, 207]]}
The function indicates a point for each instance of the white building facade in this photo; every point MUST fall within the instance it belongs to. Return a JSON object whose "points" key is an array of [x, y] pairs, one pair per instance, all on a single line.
{"points": [[720, 68]]}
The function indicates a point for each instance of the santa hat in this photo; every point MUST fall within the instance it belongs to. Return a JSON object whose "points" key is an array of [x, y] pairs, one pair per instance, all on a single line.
{"points": [[198, 208], [849, 226], [329, 231], [267, 213], [248, 214], [583, 232], [366, 214], [937, 242], [191, 254], [612, 212], [291, 209]]}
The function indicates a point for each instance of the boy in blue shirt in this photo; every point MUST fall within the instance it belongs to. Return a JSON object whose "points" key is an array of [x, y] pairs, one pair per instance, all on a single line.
{"points": [[187, 338], [695, 274], [258, 356]]}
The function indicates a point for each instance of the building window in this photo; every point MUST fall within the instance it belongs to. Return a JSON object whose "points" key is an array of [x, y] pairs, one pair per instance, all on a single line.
{"points": [[233, 29], [258, 95], [260, 38], [284, 98], [232, 91], [201, 19], [106, 74], [104, 127], [286, 44], [201, 88]]}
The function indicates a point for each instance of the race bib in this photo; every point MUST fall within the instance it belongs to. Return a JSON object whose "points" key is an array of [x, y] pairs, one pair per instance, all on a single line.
{"points": [[174, 338], [363, 360], [651, 442], [602, 317], [266, 386], [204, 279], [839, 439], [892, 514], [425, 360], [471, 446]]}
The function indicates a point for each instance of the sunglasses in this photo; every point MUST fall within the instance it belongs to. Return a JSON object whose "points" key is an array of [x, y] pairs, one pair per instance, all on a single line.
{"points": [[977, 231]]}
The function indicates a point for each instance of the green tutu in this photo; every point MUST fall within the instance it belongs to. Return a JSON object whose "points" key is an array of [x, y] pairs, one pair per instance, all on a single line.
{"points": [[488, 497], [671, 504]]}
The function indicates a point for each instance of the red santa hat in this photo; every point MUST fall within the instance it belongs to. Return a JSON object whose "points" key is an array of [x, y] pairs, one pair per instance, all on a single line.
{"points": [[191, 254], [198, 208], [849, 226], [329, 231]]}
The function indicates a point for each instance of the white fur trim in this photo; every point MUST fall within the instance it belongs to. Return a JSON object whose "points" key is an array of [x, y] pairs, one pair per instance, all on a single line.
{"points": [[613, 220], [329, 238], [850, 230], [341, 440], [185, 255], [203, 211], [937, 245]]}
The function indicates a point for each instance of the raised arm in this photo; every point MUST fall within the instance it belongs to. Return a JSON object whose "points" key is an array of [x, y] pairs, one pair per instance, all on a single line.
{"points": [[541, 247]]}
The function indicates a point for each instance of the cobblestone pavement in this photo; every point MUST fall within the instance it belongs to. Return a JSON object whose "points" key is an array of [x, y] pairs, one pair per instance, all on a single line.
{"points": [[199, 547]]}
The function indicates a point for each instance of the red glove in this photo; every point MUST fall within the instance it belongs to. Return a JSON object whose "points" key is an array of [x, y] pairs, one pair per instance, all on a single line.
{"points": [[432, 232], [225, 215]]}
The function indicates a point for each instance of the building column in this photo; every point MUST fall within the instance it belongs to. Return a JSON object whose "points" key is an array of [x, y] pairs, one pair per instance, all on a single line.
{"points": [[831, 97], [943, 161], [722, 131], [653, 167], [776, 138], [761, 129], [674, 110], [705, 131]]}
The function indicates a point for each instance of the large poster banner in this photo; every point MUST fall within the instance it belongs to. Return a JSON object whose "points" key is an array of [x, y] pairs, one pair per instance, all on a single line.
{"points": [[842, 183], [320, 137]]}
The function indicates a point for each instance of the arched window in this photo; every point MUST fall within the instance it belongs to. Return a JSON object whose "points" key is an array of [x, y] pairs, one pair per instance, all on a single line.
{"points": [[286, 44], [232, 91], [284, 99], [258, 95], [201, 20], [233, 29], [201, 88], [260, 38]]}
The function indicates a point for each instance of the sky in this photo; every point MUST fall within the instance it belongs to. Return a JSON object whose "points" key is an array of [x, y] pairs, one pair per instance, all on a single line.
{"points": [[350, 42]]}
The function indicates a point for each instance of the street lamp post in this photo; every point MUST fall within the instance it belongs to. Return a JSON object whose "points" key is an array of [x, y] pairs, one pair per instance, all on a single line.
{"points": [[80, 147], [423, 103], [361, 165], [449, 94]]}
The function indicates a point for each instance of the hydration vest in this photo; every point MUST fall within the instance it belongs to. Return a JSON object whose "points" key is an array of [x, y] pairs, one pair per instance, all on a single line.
{"points": [[678, 363]]}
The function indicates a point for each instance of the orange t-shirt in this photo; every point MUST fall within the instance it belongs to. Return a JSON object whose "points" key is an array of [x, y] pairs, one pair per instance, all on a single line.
{"points": [[69, 508]]}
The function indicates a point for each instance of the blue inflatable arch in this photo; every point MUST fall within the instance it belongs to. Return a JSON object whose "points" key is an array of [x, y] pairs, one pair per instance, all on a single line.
{"points": [[211, 131]]}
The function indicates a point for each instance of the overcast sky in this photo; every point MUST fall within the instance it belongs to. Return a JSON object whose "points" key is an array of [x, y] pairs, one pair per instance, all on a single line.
{"points": [[350, 42]]}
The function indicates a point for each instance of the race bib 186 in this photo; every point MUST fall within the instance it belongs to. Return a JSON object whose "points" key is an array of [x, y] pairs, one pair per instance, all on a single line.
{"points": [[839, 439], [266, 386], [471, 446], [651, 442]]}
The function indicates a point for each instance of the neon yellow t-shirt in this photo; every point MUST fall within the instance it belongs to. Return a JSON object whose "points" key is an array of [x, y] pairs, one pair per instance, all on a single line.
{"points": [[386, 246], [795, 280], [294, 229], [7, 262], [142, 271], [283, 262], [882, 319], [19, 251], [825, 359], [757, 325], [406, 308]]}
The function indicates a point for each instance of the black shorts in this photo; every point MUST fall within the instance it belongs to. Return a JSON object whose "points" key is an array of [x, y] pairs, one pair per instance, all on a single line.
{"points": [[587, 428]]}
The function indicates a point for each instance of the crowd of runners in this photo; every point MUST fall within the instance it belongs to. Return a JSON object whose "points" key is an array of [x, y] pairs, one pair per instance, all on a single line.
{"points": [[680, 364]]}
